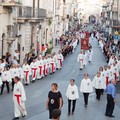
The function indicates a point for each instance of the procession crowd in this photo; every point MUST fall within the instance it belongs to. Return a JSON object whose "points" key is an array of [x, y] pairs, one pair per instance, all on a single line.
{"points": [[37, 67]]}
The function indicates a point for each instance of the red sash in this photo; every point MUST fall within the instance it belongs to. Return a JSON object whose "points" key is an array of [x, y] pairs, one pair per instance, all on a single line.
{"points": [[18, 100], [60, 62], [107, 81], [45, 70], [81, 60], [40, 70], [34, 72], [52, 67], [26, 72]]}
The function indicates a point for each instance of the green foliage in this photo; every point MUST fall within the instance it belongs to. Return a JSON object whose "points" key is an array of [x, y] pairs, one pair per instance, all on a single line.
{"points": [[51, 42], [49, 21], [49, 50]]}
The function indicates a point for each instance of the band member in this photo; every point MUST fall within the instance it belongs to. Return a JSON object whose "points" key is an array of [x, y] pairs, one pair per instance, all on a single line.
{"points": [[6, 78], [59, 60], [80, 59], [72, 95], [86, 88], [98, 84], [19, 99], [14, 72], [52, 65], [90, 55], [26, 73], [40, 68], [34, 68]]}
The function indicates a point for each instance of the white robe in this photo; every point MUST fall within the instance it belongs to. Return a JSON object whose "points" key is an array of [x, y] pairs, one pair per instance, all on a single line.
{"points": [[59, 61], [34, 69], [85, 60], [19, 99], [26, 73], [20, 70], [45, 70], [14, 72], [90, 54], [86, 86], [40, 69], [55, 59], [72, 92], [6, 76], [52, 65], [106, 78], [80, 59], [0, 81], [98, 83]]}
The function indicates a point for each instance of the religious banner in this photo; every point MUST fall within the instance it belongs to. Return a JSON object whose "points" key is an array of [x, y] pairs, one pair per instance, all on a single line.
{"points": [[85, 44], [87, 34]]}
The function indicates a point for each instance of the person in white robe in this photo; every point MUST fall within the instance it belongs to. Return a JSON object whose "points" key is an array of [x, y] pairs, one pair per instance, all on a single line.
{"points": [[106, 76], [6, 79], [98, 84], [90, 55], [59, 60], [20, 70], [85, 60], [19, 98], [26, 73], [34, 69], [86, 88], [47, 64], [55, 59], [45, 70], [72, 95], [52, 65], [14, 72], [40, 68], [115, 71], [80, 59]]}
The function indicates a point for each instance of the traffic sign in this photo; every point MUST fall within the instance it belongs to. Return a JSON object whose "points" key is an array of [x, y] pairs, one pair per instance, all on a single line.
{"points": [[116, 37]]}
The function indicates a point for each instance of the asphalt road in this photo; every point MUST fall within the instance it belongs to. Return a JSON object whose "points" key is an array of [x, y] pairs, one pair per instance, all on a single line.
{"points": [[38, 91]]}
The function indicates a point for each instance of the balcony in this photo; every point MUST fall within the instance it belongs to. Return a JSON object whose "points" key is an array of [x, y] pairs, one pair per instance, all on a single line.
{"points": [[11, 3], [11, 33], [40, 14], [114, 9], [26, 13]]}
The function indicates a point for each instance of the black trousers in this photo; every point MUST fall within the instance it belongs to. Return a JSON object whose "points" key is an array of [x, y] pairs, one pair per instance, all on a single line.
{"points": [[110, 105], [98, 93], [13, 84], [73, 105], [86, 98], [7, 85]]}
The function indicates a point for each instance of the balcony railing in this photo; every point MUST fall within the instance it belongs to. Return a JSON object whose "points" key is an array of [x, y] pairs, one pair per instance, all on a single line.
{"points": [[40, 13], [25, 12]]}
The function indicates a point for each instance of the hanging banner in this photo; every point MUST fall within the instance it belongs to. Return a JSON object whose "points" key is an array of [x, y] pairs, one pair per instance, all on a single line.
{"points": [[87, 34], [85, 44]]}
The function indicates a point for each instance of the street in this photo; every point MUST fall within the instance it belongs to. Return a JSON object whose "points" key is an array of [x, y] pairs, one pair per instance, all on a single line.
{"points": [[38, 91]]}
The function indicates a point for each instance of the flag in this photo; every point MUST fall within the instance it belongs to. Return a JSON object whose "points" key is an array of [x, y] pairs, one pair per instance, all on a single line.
{"points": [[85, 44]]}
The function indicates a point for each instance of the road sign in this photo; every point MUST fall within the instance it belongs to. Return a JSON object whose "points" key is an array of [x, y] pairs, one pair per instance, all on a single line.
{"points": [[116, 37]]}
